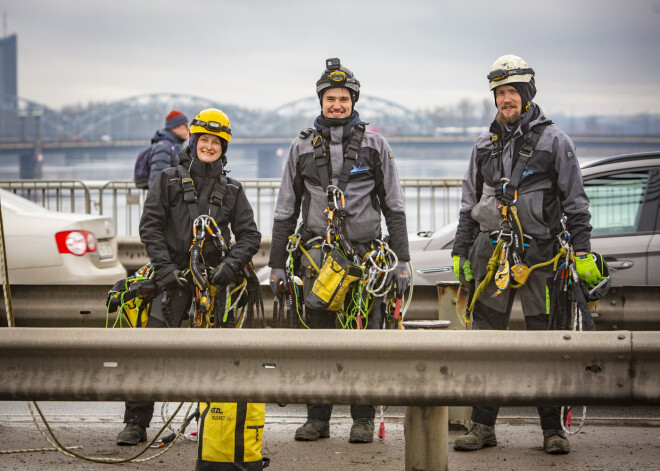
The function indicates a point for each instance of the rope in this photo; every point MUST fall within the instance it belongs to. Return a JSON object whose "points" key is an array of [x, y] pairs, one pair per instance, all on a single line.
{"points": [[491, 268], [9, 310], [164, 410], [67, 451], [31, 450]]}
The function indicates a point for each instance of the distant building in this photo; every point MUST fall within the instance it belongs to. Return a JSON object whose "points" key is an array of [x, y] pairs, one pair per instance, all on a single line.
{"points": [[8, 67], [8, 86]]}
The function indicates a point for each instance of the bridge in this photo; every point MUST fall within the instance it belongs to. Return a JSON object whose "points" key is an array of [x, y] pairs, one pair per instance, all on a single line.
{"points": [[136, 118]]}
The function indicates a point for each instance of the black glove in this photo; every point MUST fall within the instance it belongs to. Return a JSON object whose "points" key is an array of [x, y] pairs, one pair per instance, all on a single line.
{"points": [[222, 275], [401, 277], [174, 280], [277, 277]]}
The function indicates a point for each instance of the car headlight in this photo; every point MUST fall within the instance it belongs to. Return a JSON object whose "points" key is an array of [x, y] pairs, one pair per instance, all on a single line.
{"points": [[75, 242]]}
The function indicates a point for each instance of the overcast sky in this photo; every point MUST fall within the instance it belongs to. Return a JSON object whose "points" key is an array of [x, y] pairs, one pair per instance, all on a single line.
{"points": [[590, 56]]}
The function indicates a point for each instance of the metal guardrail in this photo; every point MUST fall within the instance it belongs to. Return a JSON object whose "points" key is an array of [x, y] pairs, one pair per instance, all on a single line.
{"points": [[420, 368], [424, 370], [430, 202]]}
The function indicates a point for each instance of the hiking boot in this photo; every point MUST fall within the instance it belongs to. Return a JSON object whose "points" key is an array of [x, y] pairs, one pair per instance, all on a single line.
{"points": [[555, 442], [477, 437], [132, 435], [362, 431], [312, 430]]}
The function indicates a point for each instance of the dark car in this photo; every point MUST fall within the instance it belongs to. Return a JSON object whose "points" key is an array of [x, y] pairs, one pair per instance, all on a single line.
{"points": [[624, 193]]}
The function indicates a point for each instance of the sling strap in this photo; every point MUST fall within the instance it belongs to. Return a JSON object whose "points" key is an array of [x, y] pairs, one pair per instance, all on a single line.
{"points": [[524, 154], [190, 194], [322, 157]]}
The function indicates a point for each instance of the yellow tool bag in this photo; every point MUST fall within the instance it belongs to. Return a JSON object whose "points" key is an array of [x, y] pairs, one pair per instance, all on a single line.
{"points": [[132, 297], [333, 282], [230, 436]]}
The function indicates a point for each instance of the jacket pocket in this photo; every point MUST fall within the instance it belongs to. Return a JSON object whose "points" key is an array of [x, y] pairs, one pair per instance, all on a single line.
{"points": [[315, 219], [485, 212], [530, 213]]}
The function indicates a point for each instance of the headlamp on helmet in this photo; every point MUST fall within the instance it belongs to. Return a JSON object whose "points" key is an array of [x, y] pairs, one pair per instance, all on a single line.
{"points": [[501, 74], [337, 76], [212, 126]]}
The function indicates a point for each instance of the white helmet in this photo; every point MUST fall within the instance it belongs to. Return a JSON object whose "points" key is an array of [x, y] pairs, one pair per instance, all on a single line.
{"points": [[509, 69]]}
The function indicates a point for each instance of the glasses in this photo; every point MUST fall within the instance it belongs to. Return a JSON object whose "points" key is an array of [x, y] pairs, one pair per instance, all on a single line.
{"points": [[501, 74], [212, 126]]}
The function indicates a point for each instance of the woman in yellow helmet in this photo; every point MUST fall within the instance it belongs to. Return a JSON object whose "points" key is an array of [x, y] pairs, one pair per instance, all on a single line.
{"points": [[178, 196]]}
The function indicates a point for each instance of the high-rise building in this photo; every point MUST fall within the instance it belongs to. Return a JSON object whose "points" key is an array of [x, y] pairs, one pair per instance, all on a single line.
{"points": [[8, 86], [8, 72]]}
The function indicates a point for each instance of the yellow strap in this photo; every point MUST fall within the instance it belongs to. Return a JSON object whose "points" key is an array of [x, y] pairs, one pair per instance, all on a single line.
{"points": [[310, 258], [239, 287], [491, 268], [514, 211]]}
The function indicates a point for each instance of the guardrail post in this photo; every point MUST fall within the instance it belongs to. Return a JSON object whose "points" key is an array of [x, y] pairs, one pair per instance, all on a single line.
{"points": [[426, 433]]}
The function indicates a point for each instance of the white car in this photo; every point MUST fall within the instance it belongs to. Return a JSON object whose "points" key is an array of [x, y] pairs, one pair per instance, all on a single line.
{"points": [[45, 247]]}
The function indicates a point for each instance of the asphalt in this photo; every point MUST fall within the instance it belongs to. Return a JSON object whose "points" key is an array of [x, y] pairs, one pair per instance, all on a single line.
{"points": [[611, 439]]}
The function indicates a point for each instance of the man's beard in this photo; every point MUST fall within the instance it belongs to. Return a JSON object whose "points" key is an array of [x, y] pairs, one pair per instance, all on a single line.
{"points": [[507, 121]]}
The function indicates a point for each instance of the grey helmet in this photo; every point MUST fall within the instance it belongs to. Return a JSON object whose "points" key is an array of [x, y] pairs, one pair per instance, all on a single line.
{"points": [[337, 76]]}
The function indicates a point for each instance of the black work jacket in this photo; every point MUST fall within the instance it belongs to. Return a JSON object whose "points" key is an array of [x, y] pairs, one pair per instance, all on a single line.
{"points": [[166, 224]]}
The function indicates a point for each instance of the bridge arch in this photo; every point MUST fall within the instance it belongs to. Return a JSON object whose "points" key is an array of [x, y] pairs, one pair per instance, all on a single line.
{"points": [[385, 116], [138, 117]]}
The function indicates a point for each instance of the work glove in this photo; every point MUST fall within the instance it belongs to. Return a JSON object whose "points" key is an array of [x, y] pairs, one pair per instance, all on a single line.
{"points": [[174, 280], [587, 269], [222, 275], [401, 277], [462, 269], [277, 277]]}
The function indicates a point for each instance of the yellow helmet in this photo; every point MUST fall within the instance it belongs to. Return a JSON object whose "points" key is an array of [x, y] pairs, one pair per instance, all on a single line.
{"points": [[211, 121]]}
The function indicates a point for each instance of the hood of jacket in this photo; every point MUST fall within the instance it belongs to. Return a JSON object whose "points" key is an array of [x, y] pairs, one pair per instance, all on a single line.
{"points": [[166, 135], [197, 168], [529, 119]]}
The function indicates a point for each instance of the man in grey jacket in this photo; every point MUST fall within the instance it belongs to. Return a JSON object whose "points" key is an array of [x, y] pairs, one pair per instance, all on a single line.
{"points": [[166, 144], [522, 178], [339, 152]]}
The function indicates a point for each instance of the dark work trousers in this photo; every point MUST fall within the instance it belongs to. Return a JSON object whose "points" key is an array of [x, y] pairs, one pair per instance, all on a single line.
{"points": [[486, 318], [327, 320], [141, 412]]}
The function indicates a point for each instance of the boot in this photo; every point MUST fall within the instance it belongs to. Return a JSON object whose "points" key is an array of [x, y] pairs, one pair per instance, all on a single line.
{"points": [[555, 442], [362, 431], [132, 435], [477, 437], [312, 430]]}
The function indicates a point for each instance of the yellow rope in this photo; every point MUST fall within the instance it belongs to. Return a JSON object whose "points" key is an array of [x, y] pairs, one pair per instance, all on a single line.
{"points": [[491, 268]]}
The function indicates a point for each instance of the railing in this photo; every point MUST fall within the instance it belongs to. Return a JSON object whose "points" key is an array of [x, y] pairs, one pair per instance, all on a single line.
{"points": [[423, 370], [430, 202]]}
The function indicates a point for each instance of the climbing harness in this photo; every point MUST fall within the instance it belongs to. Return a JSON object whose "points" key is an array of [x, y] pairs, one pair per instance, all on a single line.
{"points": [[507, 264]]}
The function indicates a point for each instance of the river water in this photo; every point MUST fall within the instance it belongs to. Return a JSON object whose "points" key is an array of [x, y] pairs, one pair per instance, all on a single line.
{"points": [[424, 211], [446, 159]]}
